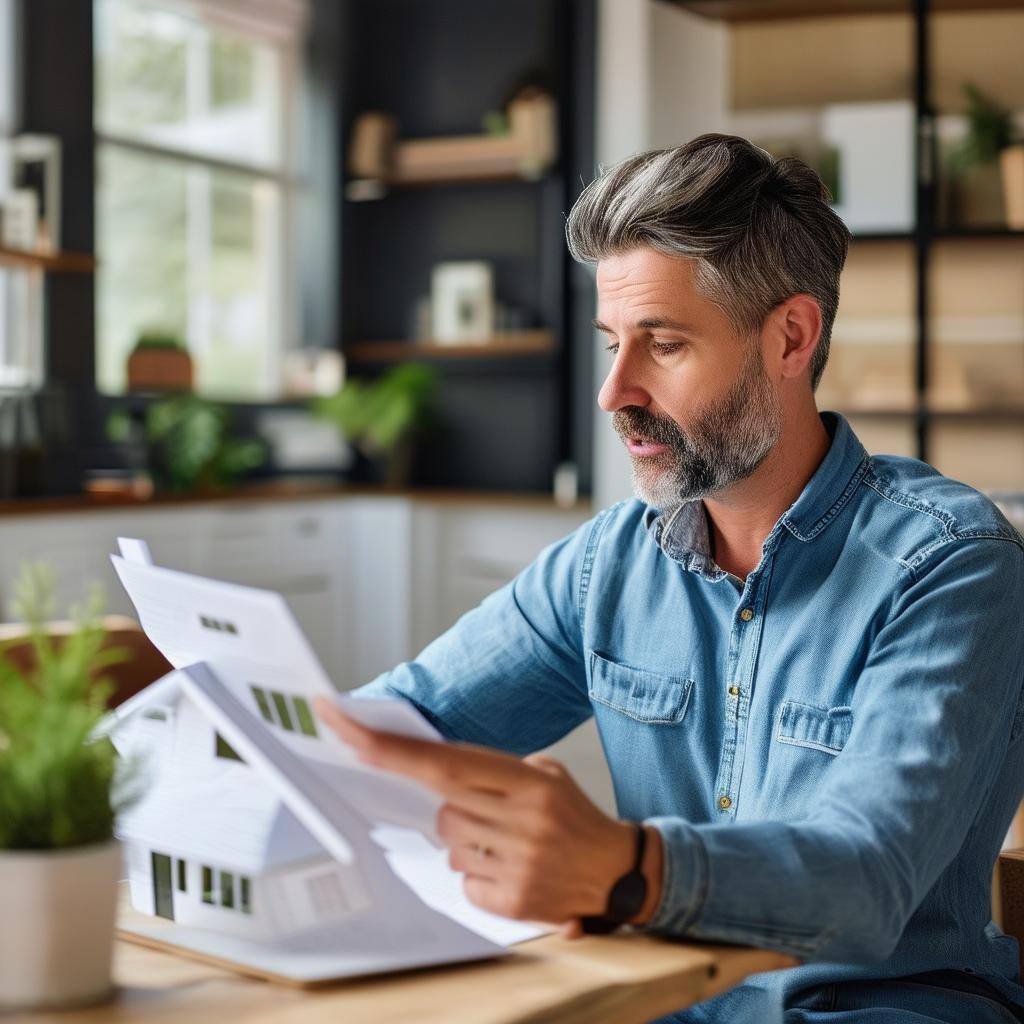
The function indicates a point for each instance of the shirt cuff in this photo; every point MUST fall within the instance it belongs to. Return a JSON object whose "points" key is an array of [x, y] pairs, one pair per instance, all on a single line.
{"points": [[684, 876]]}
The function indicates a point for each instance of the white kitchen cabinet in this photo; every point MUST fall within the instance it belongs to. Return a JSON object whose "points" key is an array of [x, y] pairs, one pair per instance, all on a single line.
{"points": [[371, 579]]}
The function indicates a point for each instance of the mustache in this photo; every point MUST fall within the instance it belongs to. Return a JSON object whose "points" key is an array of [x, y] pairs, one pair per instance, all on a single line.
{"points": [[632, 421]]}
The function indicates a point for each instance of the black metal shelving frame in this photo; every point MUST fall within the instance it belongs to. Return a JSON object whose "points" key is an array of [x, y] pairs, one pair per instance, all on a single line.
{"points": [[928, 228]]}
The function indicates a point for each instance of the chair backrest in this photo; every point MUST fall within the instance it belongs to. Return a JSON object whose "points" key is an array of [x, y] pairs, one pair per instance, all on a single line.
{"points": [[144, 664], [1010, 875]]}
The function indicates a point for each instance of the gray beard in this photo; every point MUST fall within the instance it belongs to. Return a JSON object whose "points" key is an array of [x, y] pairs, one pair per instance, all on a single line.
{"points": [[724, 445]]}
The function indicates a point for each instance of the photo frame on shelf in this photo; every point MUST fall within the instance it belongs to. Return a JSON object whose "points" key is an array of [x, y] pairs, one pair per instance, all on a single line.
{"points": [[462, 302]]}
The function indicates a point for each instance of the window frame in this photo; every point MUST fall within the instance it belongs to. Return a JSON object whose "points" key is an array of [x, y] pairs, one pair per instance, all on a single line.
{"points": [[283, 175]]}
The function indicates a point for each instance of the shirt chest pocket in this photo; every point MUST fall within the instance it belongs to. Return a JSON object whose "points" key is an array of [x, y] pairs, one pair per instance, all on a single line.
{"points": [[644, 696], [805, 725]]}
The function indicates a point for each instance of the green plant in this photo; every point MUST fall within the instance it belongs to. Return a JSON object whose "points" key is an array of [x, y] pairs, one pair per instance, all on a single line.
{"points": [[189, 444], [158, 339], [989, 130], [57, 785], [377, 416]]}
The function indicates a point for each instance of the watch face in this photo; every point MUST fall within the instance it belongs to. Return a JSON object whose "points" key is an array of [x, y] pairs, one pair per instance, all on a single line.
{"points": [[627, 896]]}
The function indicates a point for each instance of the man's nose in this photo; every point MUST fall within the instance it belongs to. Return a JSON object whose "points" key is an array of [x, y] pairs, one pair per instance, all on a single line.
{"points": [[622, 386]]}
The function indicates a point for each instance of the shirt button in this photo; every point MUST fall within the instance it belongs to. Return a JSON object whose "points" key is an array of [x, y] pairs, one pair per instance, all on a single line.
{"points": [[747, 614], [734, 691], [724, 802]]}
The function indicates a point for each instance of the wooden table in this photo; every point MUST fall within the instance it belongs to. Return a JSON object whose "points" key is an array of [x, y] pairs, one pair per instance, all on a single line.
{"points": [[619, 979]]}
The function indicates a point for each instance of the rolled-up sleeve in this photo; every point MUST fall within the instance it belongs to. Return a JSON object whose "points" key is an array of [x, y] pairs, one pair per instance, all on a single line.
{"points": [[934, 711]]}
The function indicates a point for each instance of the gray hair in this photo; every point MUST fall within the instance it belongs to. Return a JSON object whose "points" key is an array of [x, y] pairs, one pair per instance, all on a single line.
{"points": [[759, 229]]}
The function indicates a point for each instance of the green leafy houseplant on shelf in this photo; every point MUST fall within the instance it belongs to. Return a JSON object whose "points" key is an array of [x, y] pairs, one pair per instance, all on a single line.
{"points": [[381, 418], [60, 791], [990, 156], [189, 444]]}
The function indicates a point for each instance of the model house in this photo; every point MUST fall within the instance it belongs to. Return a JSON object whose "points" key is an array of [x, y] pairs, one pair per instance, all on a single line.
{"points": [[212, 844]]}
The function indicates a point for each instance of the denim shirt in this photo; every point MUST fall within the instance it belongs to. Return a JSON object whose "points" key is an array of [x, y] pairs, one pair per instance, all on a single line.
{"points": [[830, 749]]}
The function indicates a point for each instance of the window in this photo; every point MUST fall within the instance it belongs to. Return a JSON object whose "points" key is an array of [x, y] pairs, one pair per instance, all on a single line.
{"points": [[181, 877], [305, 716], [195, 103], [227, 889], [224, 749], [264, 704], [281, 706], [290, 712], [226, 880], [208, 885]]}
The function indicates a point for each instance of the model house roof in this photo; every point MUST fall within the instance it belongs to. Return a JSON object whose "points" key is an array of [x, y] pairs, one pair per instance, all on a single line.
{"points": [[223, 823]]}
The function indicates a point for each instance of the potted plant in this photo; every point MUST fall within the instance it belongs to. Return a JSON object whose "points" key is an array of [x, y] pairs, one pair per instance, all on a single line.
{"points": [[159, 362], [188, 443], [991, 147], [59, 862], [380, 418]]}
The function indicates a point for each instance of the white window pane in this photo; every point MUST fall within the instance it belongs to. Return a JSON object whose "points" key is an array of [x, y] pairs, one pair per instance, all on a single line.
{"points": [[166, 79], [194, 252]]}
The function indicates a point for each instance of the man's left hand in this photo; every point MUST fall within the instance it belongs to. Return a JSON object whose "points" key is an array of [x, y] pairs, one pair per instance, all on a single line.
{"points": [[530, 843]]}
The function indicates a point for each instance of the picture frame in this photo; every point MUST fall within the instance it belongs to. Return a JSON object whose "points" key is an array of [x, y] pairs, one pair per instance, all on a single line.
{"points": [[462, 302]]}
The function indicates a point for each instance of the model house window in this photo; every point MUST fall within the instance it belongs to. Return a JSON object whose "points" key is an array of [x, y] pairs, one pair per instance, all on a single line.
{"points": [[227, 889], [225, 894], [195, 110], [208, 885], [224, 749], [288, 711]]}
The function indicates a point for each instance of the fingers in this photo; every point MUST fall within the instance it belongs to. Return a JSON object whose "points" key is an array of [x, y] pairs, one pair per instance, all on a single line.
{"points": [[548, 765], [571, 929], [448, 769]]}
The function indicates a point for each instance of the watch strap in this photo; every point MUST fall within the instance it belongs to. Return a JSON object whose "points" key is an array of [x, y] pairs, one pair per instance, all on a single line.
{"points": [[625, 890]]}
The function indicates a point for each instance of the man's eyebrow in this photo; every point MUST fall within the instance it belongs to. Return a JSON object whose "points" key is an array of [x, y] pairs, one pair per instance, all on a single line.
{"points": [[658, 323]]}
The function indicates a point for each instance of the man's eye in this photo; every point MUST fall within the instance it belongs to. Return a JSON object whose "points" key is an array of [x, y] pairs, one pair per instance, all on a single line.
{"points": [[667, 348], [613, 347]]}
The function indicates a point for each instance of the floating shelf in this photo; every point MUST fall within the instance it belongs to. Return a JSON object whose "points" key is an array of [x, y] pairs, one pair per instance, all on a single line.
{"points": [[501, 346], [772, 10], [455, 159], [58, 262]]}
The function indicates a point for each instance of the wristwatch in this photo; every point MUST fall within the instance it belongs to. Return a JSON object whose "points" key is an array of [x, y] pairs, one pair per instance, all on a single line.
{"points": [[626, 897]]}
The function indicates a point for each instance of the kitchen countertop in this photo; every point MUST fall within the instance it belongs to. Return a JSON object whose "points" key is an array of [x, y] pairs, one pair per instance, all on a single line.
{"points": [[285, 490]]}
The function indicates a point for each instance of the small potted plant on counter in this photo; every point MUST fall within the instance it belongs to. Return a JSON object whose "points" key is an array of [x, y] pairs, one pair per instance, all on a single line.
{"points": [[380, 418], [187, 443], [59, 862], [159, 362]]}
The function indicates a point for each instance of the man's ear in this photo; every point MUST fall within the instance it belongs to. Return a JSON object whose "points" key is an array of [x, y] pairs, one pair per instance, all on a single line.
{"points": [[795, 327]]}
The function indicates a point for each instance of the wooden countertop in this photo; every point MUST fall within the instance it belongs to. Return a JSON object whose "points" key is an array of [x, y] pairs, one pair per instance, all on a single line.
{"points": [[285, 490]]}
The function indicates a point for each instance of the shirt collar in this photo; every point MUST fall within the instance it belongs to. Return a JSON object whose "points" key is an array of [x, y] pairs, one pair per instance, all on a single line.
{"points": [[683, 532]]}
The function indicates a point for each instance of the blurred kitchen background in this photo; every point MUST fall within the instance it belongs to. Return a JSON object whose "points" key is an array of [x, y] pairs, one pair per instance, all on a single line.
{"points": [[284, 288]]}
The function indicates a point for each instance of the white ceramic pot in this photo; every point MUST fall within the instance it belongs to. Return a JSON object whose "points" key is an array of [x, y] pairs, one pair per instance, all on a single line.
{"points": [[57, 936]]}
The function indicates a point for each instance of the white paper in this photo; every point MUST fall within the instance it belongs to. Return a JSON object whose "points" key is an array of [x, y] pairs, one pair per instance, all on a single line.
{"points": [[394, 910], [225, 640], [424, 868], [134, 550]]}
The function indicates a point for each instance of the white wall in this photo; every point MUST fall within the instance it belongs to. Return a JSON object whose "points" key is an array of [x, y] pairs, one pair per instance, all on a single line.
{"points": [[8, 69], [661, 80]]}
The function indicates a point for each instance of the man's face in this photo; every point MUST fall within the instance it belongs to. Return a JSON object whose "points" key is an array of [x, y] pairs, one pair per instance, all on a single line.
{"points": [[689, 397]]}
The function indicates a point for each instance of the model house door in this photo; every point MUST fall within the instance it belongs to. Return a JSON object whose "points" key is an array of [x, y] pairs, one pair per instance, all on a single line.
{"points": [[163, 886]]}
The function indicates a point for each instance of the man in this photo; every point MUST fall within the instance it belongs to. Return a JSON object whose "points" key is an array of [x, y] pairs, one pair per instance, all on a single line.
{"points": [[805, 663]]}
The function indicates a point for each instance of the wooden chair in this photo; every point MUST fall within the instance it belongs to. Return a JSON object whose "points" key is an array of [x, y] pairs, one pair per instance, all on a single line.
{"points": [[144, 665], [1008, 890]]}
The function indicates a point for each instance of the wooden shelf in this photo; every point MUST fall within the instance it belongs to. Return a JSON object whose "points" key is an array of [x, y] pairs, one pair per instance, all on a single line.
{"points": [[933, 412], [515, 344], [57, 263], [455, 159], [773, 10]]}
